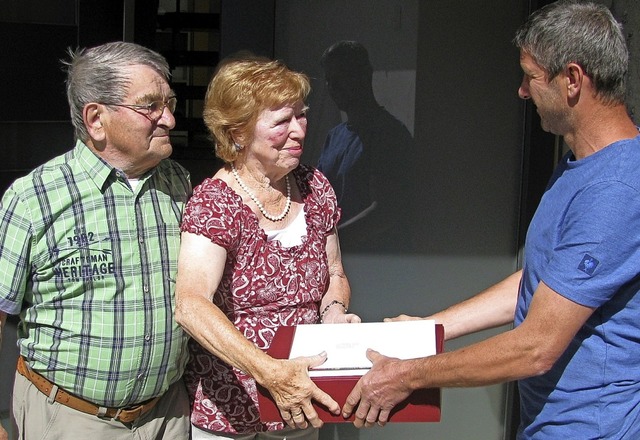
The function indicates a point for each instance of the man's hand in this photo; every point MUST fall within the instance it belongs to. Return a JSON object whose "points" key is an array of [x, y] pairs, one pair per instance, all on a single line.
{"points": [[377, 392], [403, 318], [3, 433], [293, 391]]}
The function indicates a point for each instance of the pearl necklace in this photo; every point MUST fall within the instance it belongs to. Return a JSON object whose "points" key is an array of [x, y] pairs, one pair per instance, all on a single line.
{"points": [[261, 207]]}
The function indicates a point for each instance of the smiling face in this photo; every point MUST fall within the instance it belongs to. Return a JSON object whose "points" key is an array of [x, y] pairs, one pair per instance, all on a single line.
{"points": [[278, 138], [133, 142], [547, 95]]}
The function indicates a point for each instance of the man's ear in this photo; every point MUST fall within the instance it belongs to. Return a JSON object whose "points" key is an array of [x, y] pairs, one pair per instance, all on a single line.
{"points": [[575, 80], [91, 115]]}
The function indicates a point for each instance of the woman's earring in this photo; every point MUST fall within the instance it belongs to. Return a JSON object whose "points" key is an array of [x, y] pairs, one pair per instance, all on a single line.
{"points": [[238, 146]]}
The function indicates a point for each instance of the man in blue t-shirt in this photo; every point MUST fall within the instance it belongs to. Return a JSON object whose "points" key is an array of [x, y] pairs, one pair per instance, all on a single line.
{"points": [[575, 305]]}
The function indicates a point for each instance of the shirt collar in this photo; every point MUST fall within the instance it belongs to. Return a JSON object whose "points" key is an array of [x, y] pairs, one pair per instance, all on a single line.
{"points": [[99, 170], [96, 168]]}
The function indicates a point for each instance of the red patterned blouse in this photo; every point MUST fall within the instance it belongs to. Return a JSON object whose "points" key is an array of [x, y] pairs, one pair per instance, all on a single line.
{"points": [[264, 286]]}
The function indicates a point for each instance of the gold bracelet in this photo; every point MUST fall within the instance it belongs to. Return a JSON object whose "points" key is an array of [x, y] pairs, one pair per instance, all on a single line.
{"points": [[326, 309]]}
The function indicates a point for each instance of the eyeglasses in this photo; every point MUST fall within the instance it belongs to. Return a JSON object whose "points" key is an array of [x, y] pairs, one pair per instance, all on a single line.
{"points": [[154, 110]]}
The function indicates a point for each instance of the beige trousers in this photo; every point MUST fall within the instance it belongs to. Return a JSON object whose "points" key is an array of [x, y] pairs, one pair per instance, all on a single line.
{"points": [[37, 418]]}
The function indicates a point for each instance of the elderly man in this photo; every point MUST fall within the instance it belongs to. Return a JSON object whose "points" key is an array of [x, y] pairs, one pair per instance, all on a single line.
{"points": [[88, 259], [574, 348]]}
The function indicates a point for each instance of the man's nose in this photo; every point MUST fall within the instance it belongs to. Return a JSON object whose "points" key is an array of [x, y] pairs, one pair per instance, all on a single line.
{"points": [[523, 90]]}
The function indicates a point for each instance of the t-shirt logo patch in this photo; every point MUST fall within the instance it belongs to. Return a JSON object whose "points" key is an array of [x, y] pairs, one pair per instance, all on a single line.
{"points": [[588, 264]]}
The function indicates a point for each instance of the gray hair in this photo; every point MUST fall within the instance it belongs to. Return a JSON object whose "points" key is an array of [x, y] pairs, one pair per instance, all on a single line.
{"points": [[99, 75], [585, 33]]}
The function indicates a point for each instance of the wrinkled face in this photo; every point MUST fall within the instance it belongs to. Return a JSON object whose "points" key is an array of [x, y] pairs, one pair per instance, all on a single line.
{"points": [[547, 96], [278, 137], [137, 141]]}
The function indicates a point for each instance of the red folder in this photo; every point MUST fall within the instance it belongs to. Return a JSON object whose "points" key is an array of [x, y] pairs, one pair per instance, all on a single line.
{"points": [[420, 406]]}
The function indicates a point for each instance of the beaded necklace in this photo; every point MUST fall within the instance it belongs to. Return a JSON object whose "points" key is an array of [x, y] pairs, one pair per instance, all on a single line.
{"points": [[260, 206]]}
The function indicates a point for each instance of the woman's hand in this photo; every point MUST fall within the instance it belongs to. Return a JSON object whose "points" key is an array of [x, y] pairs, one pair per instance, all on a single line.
{"points": [[293, 391], [341, 318]]}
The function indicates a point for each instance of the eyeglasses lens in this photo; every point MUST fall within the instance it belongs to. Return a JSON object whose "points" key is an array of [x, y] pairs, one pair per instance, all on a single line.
{"points": [[156, 108]]}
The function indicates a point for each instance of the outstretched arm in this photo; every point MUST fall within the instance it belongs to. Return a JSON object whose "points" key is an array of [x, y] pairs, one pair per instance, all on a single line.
{"points": [[528, 350], [490, 308]]}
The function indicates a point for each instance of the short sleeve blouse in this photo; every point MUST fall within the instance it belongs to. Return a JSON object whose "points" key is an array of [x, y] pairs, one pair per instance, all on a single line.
{"points": [[264, 286]]}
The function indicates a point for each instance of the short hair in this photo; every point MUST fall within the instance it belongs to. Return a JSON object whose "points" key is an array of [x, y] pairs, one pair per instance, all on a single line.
{"points": [[348, 55], [240, 90], [585, 33], [99, 75]]}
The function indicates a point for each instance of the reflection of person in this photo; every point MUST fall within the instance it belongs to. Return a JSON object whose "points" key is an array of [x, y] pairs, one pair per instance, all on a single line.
{"points": [[364, 158], [575, 347], [90, 245], [259, 251]]}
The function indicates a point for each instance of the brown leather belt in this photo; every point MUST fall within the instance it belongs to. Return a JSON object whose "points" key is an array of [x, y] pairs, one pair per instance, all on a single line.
{"points": [[124, 415]]}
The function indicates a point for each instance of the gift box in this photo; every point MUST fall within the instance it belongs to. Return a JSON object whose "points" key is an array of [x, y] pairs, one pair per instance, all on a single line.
{"points": [[345, 364]]}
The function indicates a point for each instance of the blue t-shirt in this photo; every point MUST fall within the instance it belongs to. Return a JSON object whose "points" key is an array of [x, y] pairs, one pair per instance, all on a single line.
{"points": [[584, 243]]}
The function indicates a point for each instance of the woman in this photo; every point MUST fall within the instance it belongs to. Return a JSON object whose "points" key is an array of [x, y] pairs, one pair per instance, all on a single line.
{"points": [[259, 251]]}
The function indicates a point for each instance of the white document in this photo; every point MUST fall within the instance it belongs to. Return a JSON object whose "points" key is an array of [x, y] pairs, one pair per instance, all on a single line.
{"points": [[346, 344]]}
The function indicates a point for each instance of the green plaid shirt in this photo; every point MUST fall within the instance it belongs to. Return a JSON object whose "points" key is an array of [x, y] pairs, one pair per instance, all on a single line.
{"points": [[90, 266]]}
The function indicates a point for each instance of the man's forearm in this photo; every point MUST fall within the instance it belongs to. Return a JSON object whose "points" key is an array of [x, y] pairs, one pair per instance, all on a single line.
{"points": [[491, 308]]}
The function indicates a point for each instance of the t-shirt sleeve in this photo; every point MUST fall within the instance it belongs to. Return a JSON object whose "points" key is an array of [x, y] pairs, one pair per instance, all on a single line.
{"points": [[214, 212], [598, 247]]}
